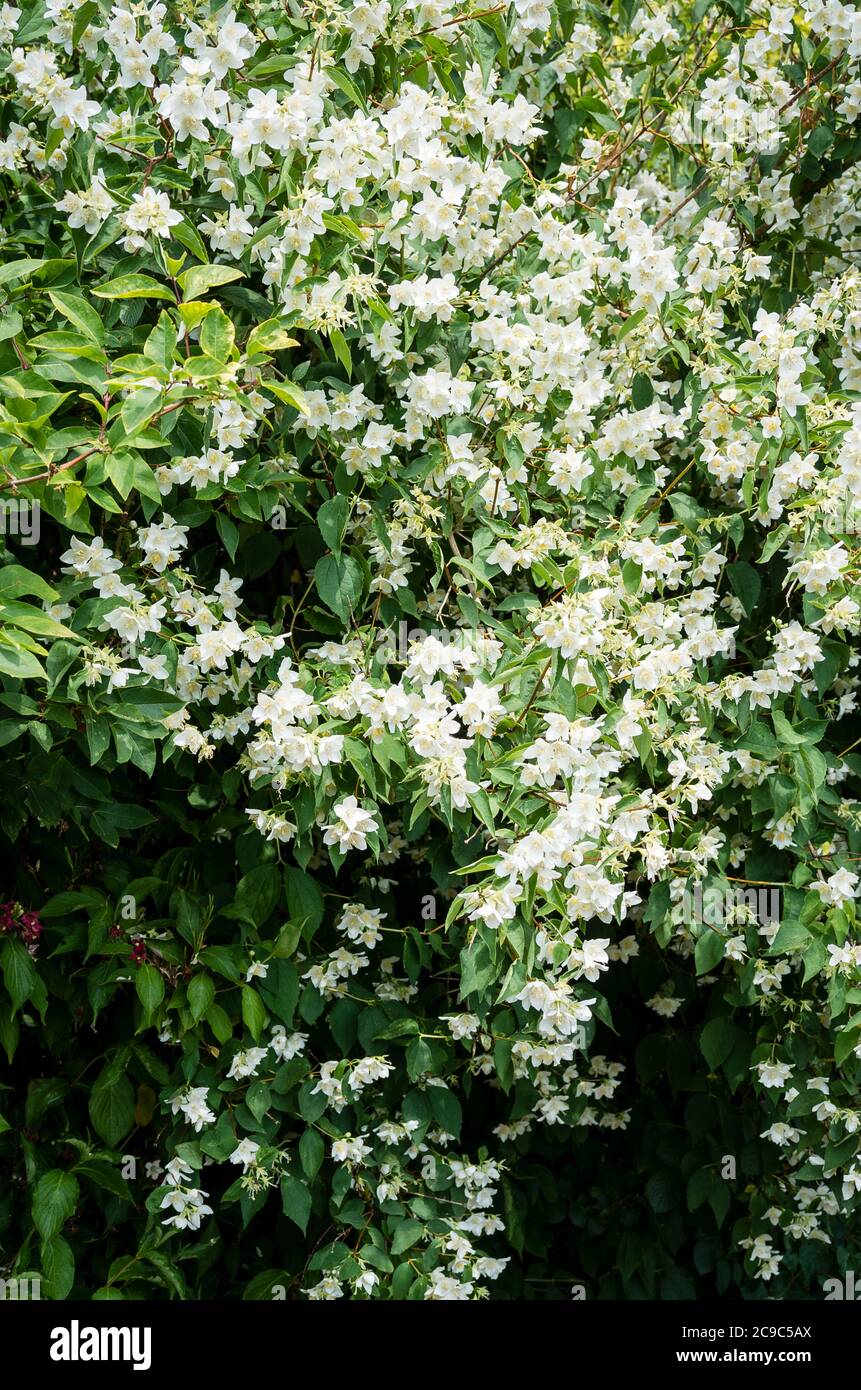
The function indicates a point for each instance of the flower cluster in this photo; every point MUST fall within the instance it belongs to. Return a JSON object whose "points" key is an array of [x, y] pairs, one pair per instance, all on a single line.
{"points": [[535, 331]]}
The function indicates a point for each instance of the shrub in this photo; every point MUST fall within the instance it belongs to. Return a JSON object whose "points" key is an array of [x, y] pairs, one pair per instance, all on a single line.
{"points": [[429, 452]]}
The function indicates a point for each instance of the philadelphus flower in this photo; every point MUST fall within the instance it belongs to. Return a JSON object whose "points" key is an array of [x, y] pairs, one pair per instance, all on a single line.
{"points": [[188, 1205], [245, 1153], [246, 1062], [88, 208], [326, 1290], [351, 826], [591, 958], [838, 889], [461, 1025], [348, 1150], [774, 1073], [664, 1005], [286, 1045], [366, 1282], [192, 1104], [781, 1133], [362, 924], [150, 212]]}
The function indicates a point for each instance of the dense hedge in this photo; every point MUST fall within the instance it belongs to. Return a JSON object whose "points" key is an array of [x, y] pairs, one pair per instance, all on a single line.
{"points": [[429, 451]]}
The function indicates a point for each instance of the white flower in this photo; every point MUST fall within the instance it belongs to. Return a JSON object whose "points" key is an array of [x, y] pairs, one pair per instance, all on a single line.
{"points": [[781, 1133], [350, 827], [664, 1005], [149, 211], [188, 1206], [286, 1046], [349, 1150], [192, 1104], [774, 1073], [246, 1062], [245, 1153], [838, 889]]}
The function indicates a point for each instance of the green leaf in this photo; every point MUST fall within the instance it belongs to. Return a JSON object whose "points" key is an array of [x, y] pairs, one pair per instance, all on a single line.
{"points": [[76, 309], [24, 615], [112, 1106], [18, 270], [19, 972], [446, 1109], [140, 406], [219, 1021], [104, 1175], [401, 1028], [221, 959], [258, 893], [339, 584], [342, 349], [296, 1202], [190, 238], [791, 936], [133, 287], [280, 990], [699, 1187], [405, 1236], [171, 1277], [270, 336], [229, 533], [58, 1266], [20, 664], [304, 900], [311, 1150], [347, 86], [785, 734], [846, 1042], [88, 11], [201, 993], [253, 1012], [159, 346], [16, 580], [773, 542], [709, 951], [54, 1199], [258, 1098], [289, 393], [332, 519], [717, 1040], [642, 392], [149, 984], [199, 279], [632, 576], [630, 323], [477, 968], [746, 584], [216, 335], [344, 226], [660, 1191], [814, 960]]}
